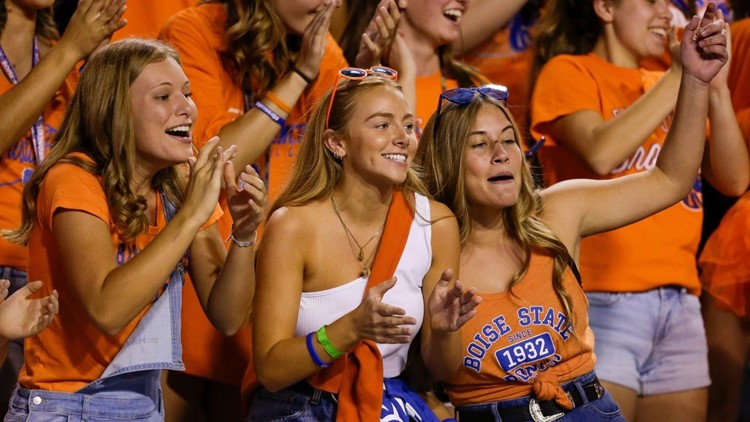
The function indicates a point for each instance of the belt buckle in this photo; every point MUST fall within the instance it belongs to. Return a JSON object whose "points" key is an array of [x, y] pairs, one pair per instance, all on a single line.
{"points": [[536, 413]]}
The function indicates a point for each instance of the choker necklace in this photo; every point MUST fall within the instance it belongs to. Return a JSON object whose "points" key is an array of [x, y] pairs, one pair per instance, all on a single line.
{"points": [[356, 247]]}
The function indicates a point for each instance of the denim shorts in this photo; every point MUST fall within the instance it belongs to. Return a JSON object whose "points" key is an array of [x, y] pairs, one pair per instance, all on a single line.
{"points": [[50, 406], [602, 409], [652, 342]]}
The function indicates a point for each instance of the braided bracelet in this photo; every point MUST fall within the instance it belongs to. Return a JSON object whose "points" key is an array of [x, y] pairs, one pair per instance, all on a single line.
{"points": [[243, 243]]}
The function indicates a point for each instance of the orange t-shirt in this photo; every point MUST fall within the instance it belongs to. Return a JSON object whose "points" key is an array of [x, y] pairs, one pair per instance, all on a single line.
{"points": [[516, 336], [429, 89], [505, 59], [656, 251], [198, 34], [17, 164], [72, 352], [146, 17]]}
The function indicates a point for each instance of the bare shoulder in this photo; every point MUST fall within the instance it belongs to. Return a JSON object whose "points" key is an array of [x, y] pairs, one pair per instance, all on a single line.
{"points": [[440, 211], [292, 222]]}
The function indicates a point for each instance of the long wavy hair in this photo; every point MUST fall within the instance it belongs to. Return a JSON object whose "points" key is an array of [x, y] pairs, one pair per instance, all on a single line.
{"points": [[259, 49], [45, 23], [99, 124], [317, 171], [441, 156]]}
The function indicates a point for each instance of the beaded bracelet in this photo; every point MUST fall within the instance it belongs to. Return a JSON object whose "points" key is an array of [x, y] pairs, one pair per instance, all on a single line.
{"points": [[313, 353], [330, 348], [270, 113], [286, 108], [243, 243], [307, 79]]}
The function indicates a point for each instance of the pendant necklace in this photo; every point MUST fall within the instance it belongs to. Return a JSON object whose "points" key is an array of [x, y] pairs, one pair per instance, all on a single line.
{"points": [[356, 247]]}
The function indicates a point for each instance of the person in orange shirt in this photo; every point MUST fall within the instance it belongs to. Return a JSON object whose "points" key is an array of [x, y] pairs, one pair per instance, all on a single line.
{"points": [[257, 69], [725, 274], [113, 218], [604, 117], [331, 337], [528, 352], [39, 72], [496, 39]]}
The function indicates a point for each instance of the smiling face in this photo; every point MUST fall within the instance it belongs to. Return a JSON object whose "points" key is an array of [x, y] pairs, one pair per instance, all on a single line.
{"points": [[641, 27], [380, 142], [437, 21], [163, 116], [492, 161]]}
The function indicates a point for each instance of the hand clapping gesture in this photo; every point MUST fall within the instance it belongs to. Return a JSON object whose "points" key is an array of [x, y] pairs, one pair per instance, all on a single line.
{"points": [[21, 316], [450, 308], [704, 45]]}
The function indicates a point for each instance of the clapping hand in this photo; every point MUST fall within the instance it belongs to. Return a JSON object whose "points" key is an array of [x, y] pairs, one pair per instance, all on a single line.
{"points": [[246, 198], [450, 308], [704, 45], [21, 316]]}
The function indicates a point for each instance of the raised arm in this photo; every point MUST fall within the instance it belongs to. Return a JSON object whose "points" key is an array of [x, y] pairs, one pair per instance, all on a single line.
{"points": [[253, 131], [582, 207], [605, 144], [92, 24], [725, 164]]}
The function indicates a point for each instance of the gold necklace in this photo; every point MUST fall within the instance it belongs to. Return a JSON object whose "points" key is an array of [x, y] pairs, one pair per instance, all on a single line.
{"points": [[358, 249]]}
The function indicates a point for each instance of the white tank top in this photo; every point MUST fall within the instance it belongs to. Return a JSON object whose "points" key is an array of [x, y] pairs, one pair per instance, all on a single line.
{"points": [[323, 307]]}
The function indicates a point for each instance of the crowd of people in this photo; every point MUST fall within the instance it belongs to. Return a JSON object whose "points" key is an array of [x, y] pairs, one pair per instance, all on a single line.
{"points": [[395, 210]]}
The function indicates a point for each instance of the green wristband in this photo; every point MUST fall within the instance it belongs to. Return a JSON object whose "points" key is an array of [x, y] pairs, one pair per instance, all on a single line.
{"points": [[330, 348]]}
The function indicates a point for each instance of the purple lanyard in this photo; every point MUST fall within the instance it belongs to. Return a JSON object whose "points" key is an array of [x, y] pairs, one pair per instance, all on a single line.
{"points": [[37, 130]]}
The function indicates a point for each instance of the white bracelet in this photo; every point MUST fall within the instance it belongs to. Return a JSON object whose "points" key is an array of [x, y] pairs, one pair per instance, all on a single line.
{"points": [[243, 243]]}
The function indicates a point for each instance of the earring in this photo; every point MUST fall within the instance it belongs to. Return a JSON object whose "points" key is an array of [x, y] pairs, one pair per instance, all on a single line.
{"points": [[337, 156]]}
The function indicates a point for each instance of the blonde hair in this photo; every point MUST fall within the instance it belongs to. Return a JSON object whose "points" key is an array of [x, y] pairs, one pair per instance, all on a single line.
{"points": [[441, 155], [317, 171], [99, 124]]}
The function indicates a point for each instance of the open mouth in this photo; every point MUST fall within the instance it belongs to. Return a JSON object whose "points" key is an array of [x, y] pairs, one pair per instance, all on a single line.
{"points": [[501, 178], [399, 158], [453, 14], [182, 131], [661, 32]]}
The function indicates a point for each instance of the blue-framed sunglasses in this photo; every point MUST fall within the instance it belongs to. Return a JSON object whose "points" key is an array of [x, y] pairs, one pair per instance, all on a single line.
{"points": [[465, 96], [355, 74]]}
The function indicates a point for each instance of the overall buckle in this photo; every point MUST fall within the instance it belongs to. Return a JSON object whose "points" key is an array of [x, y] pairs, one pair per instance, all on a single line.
{"points": [[536, 413]]}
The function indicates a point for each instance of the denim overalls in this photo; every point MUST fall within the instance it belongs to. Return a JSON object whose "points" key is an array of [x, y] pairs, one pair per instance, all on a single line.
{"points": [[129, 389]]}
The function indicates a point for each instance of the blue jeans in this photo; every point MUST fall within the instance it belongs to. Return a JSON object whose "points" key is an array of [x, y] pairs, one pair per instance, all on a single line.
{"points": [[300, 402], [50, 406], [602, 409]]}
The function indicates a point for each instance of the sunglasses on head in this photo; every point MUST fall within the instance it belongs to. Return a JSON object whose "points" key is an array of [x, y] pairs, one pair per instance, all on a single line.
{"points": [[463, 96], [355, 74]]}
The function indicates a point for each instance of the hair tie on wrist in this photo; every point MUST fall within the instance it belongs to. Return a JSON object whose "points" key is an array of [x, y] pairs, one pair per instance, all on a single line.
{"points": [[307, 79], [286, 108]]}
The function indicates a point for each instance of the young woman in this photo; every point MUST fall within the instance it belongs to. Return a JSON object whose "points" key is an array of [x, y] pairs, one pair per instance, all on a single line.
{"points": [[112, 218], [353, 196], [257, 68], [38, 78], [528, 353], [604, 117]]}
